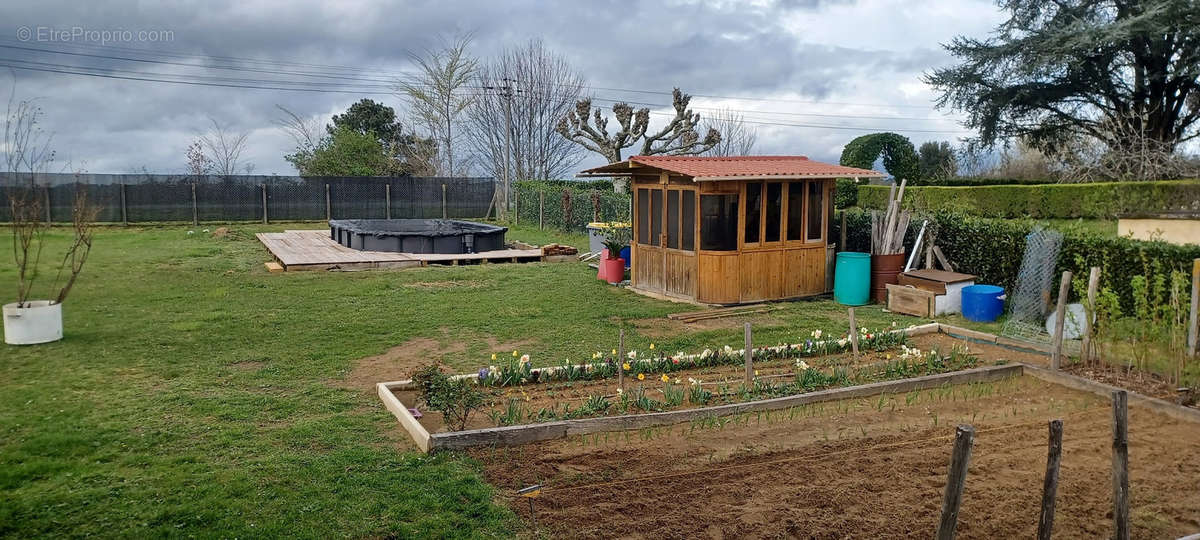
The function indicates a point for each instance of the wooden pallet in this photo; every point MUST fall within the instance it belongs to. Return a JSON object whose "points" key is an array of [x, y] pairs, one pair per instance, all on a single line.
{"points": [[315, 250]]}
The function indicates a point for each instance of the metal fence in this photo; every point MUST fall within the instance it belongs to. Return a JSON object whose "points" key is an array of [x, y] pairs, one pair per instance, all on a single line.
{"points": [[136, 198], [568, 208]]}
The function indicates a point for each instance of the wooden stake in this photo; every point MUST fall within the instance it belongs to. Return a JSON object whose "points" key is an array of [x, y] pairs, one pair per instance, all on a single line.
{"points": [[853, 333], [541, 210], [328, 206], [443, 201], [929, 256], [942, 260], [621, 360], [195, 207], [1194, 321], [748, 354], [50, 217], [1050, 485], [387, 200], [264, 197], [964, 436], [1064, 288], [1085, 351], [1120, 464]]}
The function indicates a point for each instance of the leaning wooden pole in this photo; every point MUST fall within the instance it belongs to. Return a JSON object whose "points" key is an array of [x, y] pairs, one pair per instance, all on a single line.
{"points": [[1050, 484], [853, 332], [621, 360], [1085, 351], [1120, 464], [956, 482], [1060, 315], [1194, 321]]}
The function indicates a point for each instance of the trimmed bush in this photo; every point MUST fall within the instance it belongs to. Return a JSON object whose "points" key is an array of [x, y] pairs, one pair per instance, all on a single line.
{"points": [[1046, 201], [993, 248]]}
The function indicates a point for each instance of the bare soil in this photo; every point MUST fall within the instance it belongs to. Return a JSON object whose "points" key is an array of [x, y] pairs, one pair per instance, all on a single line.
{"points": [[1142, 382], [865, 468], [400, 362]]}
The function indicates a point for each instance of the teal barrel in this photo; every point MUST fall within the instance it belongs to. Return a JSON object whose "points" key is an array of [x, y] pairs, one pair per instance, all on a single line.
{"points": [[852, 278]]}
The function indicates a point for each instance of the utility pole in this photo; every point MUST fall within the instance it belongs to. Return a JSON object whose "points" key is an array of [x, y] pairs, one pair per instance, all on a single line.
{"points": [[506, 92]]}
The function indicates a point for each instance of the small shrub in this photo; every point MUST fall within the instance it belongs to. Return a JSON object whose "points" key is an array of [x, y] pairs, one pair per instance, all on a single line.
{"points": [[454, 398]]}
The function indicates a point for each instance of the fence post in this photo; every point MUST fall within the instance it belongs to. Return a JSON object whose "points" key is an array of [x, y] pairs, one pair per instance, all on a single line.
{"points": [[541, 210], [1060, 314], [964, 435], [1050, 485], [748, 354], [853, 332], [264, 197], [443, 200], [387, 200], [516, 207], [49, 216], [842, 244], [1085, 350], [124, 208], [328, 206], [1192, 322], [195, 207], [1120, 464]]}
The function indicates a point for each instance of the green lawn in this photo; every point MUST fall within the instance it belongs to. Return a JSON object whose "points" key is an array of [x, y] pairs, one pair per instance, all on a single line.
{"points": [[197, 395]]}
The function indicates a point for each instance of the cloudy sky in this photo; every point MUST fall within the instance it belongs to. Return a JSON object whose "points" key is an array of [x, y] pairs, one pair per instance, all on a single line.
{"points": [[812, 74]]}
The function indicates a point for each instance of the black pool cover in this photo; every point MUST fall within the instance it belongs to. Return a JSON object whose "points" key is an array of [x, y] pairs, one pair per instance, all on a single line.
{"points": [[417, 235]]}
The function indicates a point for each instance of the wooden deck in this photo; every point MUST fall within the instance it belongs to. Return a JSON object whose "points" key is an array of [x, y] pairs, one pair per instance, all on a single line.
{"points": [[315, 250]]}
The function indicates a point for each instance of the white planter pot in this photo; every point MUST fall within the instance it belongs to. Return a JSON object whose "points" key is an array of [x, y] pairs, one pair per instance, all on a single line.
{"points": [[38, 322]]}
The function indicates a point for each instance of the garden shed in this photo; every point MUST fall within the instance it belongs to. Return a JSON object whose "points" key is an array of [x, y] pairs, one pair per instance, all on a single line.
{"points": [[729, 230]]}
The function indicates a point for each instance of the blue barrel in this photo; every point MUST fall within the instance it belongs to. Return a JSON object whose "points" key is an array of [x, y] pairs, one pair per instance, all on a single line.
{"points": [[982, 303], [852, 278]]}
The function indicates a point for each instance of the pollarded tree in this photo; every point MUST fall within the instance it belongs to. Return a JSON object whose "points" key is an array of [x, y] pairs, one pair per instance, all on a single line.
{"points": [[899, 157], [678, 137], [1057, 71]]}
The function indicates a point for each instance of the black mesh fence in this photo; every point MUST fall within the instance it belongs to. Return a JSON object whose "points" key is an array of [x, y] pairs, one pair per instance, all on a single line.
{"points": [[156, 198], [567, 207]]}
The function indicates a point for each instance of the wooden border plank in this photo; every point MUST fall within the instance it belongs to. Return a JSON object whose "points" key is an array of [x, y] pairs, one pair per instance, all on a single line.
{"points": [[510, 435], [410, 424]]}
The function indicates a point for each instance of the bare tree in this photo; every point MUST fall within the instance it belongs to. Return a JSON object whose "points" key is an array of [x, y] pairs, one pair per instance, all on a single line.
{"points": [[305, 132], [737, 137], [439, 94], [198, 163], [527, 89], [27, 155], [224, 148], [1139, 156], [677, 137]]}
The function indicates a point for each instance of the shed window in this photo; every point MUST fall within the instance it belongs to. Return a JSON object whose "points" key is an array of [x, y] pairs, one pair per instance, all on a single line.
{"points": [[718, 222], [774, 213], [673, 219], [795, 220], [687, 221], [816, 209], [753, 212], [656, 216], [643, 216]]}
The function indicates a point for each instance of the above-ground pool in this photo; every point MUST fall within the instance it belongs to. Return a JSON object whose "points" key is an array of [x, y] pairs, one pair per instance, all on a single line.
{"points": [[417, 235]]}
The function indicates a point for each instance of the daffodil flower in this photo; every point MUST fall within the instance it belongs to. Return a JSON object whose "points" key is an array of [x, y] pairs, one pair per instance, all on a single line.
{"points": [[632, 355], [614, 352], [619, 391], [641, 376], [514, 354], [652, 346], [665, 378], [493, 357], [625, 366]]}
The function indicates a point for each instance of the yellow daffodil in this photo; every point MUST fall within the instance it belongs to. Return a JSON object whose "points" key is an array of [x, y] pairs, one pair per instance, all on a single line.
{"points": [[514, 354], [625, 366], [652, 346], [493, 357], [614, 352], [756, 373], [665, 378], [641, 376]]}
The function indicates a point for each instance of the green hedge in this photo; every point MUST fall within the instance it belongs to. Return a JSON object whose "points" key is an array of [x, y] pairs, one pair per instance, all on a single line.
{"points": [[993, 248], [586, 200], [1094, 201]]}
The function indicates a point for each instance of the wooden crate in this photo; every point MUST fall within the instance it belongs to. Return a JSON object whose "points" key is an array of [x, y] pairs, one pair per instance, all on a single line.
{"points": [[910, 300]]}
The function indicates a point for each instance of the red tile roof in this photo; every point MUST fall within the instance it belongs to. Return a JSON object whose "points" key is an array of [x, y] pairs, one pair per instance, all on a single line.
{"points": [[735, 167]]}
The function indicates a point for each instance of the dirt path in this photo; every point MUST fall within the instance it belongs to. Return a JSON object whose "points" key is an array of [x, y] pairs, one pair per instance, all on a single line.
{"points": [[861, 468]]}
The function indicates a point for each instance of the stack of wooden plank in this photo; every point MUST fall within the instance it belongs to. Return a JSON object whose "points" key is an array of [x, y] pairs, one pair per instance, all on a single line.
{"points": [[558, 249], [887, 231]]}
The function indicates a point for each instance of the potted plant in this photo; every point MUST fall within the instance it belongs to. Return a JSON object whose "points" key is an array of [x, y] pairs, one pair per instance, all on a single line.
{"points": [[612, 266], [26, 151]]}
